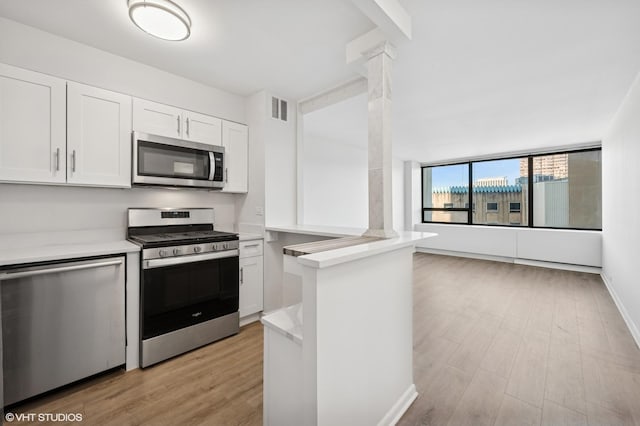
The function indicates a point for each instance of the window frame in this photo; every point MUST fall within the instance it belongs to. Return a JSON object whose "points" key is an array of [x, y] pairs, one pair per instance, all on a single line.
{"points": [[530, 183]]}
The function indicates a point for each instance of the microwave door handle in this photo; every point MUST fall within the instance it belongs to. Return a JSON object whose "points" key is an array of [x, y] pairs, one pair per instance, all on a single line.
{"points": [[212, 165]]}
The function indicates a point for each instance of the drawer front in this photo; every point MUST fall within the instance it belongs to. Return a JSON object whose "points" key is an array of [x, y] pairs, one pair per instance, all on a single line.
{"points": [[250, 248]]}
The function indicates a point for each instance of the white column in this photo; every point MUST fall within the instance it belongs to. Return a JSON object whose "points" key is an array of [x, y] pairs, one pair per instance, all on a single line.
{"points": [[379, 66]]}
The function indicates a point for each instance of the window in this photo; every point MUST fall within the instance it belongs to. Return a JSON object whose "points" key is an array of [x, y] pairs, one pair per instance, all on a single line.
{"points": [[446, 186], [560, 190], [567, 190], [496, 185]]}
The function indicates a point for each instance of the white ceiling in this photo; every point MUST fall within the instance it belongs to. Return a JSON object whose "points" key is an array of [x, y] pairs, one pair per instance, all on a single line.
{"points": [[477, 78]]}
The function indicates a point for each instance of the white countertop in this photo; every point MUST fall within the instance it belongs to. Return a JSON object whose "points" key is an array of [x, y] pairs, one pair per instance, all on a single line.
{"points": [[323, 231], [43, 247], [347, 254], [286, 321]]}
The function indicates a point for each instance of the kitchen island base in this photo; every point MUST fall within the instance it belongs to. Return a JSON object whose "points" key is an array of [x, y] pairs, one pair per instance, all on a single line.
{"points": [[355, 335]]}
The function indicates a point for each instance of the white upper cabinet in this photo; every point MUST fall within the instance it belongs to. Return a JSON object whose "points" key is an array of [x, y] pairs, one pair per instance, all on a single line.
{"points": [[98, 136], [32, 126], [235, 139], [202, 128], [164, 120], [157, 119]]}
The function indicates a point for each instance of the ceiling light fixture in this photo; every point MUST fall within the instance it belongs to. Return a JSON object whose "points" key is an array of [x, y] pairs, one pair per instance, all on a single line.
{"points": [[160, 18]]}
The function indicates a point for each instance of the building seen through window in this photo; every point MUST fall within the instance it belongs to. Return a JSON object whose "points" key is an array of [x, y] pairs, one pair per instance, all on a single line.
{"points": [[565, 188]]}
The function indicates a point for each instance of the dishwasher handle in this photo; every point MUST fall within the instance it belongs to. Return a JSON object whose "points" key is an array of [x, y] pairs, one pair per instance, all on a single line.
{"points": [[31, 272]]}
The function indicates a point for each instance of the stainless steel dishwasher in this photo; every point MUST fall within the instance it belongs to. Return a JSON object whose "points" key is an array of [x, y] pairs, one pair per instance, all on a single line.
{"points": [[61, 322]]}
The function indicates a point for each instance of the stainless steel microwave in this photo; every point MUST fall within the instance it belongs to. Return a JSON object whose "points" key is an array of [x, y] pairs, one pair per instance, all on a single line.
{"points": [[158, 160]]}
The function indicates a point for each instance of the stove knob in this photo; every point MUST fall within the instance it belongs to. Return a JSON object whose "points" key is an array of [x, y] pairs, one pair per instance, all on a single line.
{"points": [[197, 249], [216, 247], [163, 253], [225, 246], [177, 252]]}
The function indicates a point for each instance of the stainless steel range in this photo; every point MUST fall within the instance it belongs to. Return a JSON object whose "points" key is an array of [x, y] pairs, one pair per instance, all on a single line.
{"points": [[189, 281]]}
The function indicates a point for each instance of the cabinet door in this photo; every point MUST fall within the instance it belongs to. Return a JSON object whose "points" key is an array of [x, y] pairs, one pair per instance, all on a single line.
{"points": [[157, 119], [235, 139], [32, 126], [98, 136], [202, 128], [251, 285]]}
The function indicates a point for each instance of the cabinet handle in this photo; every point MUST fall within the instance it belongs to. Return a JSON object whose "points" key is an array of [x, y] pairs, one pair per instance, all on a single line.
{"points": [[226, 175], [241, 275], [252, 245], [187, 126], [178, 119], [57, 154], [73, 161]]}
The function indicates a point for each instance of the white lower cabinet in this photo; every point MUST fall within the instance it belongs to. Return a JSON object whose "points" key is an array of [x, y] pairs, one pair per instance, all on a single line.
{"points": [[251, 277]]}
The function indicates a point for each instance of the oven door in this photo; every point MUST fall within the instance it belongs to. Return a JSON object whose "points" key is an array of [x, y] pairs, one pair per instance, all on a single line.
{"points": [[158, 160], [182, 291]]}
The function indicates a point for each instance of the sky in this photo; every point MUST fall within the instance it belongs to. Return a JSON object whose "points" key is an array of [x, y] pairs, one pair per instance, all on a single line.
{"points": [[457, 175]]}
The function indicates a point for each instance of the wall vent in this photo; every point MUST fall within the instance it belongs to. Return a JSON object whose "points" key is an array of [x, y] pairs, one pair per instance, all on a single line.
{"points": [[279, 109]]}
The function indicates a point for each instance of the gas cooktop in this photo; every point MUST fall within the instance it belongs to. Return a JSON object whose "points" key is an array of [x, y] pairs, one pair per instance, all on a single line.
{"points": [[167, 236], [172, 227]]}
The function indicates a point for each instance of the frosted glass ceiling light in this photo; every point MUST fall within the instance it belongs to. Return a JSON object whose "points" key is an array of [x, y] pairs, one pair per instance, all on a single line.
{"points": [[160, 18]]}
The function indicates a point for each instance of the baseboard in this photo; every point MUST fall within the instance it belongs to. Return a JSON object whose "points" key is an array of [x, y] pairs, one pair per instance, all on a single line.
{"points": [[400, 407], [625, 315], [563, 266], [250, 318], [518, 261], [465, 254]]}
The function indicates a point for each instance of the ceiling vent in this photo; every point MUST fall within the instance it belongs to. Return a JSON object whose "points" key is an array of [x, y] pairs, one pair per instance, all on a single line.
{"points": [[279, 109]]}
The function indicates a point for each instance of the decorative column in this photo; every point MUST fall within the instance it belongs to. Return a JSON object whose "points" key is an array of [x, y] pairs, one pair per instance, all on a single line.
{"points": [[379, 65]]}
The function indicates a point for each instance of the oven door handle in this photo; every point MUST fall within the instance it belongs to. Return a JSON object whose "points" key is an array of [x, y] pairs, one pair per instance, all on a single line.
{"points": [[159, 263]]}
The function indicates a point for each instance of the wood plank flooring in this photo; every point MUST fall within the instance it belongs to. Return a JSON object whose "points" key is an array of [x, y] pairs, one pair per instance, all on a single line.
{"points": [[219, 384], [494, 344], [503, 344]]}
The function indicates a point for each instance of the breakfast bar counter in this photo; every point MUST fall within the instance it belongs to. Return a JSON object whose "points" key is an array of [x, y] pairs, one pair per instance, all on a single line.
{"points": [[356, 358]]}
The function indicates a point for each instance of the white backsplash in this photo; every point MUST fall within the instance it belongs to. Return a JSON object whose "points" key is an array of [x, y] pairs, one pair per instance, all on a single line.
{"points": [[49, 209]]}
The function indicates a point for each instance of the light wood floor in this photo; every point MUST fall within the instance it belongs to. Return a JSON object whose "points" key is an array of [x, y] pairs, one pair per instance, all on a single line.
{"points": [[494, 344], [219, 384], [504, 344]]}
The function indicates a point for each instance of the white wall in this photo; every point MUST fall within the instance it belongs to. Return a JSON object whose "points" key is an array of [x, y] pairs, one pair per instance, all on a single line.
{"points": [[250, 206], [620, 206], [272, 187], [35, 208], [33, 49], [336, 191], [335, 183], [41, 208], [280, 140]]}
